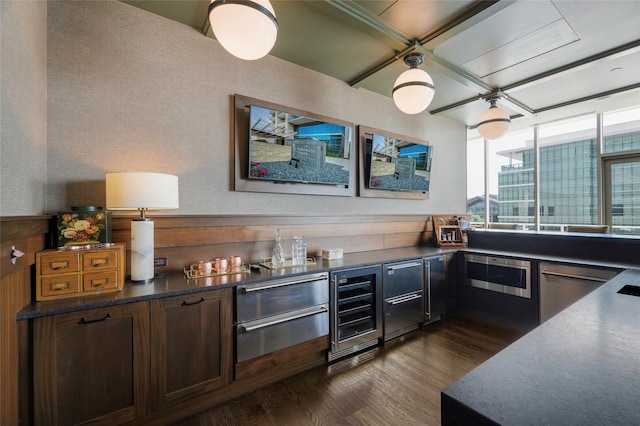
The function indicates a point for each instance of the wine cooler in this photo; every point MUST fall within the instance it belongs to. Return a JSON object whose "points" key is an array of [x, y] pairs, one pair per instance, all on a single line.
{"points": [[356, 320]]}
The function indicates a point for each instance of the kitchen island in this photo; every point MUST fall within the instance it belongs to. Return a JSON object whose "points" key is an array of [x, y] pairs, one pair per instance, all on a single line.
{"points": [[581, 367]]}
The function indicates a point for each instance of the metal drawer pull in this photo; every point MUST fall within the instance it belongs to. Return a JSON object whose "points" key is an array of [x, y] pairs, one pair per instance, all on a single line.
{"points": [[404, 299], [278, 319], [99, 282], [60, 286], [185, 303], [84, 320], [99, 262], [404, 265], [577, 277], [59, 265], [282, 283]]}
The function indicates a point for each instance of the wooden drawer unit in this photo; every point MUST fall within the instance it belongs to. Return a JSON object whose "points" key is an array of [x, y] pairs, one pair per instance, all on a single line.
{"points": [[66, 273]]}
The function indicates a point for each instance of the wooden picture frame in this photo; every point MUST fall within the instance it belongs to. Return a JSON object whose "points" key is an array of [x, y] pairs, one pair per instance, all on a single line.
{"points": [[365, 140], [243, 164]]}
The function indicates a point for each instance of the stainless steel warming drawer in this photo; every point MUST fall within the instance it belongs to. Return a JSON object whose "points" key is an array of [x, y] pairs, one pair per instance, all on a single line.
{"points": [[503, 275], [276, 314]]}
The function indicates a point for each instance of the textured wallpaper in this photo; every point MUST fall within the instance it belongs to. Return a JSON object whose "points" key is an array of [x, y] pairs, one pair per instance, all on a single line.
{"points": [[23, 107], [132, 91]]}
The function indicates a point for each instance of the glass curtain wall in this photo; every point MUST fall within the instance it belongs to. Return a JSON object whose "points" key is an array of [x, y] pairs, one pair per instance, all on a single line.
{"points": [[475, 183], [621, 148], [568, 173], [511, 162], [570, 155]]}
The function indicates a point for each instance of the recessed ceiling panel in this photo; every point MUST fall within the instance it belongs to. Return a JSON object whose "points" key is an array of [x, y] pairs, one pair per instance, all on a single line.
{"points": [[417, 18], [375, 8], [499, 29], [536, 43], [599, 77]]}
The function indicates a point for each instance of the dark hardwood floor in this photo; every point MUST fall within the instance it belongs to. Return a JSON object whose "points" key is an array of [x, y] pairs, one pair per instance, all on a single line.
{"points": [[398, 384]]}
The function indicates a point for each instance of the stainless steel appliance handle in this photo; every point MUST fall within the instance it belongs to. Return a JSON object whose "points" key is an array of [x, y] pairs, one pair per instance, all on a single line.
{"points": [[403, 299], [282, 283], [403, 266], [576, 277], [428, 288], [250, 326]]}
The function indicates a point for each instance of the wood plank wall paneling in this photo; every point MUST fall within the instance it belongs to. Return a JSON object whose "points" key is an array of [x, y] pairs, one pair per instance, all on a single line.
{"points": [[186, 239], [27, 234]]}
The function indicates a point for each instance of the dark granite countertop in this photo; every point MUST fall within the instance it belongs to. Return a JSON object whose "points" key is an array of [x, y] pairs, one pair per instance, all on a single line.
{"points": [[176, 284], [582, 367]]}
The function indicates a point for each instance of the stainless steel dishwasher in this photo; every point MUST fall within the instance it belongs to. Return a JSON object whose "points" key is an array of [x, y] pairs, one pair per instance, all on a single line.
{"points": [[561, 285], [276, 314]]}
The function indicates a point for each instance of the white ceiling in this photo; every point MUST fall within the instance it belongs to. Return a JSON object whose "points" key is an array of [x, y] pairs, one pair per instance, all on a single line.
{"points": [[548, 59]]}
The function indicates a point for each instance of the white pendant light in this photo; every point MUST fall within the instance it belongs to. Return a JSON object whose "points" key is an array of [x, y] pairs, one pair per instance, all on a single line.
{"points": [[245, 28], [413, 90], [494, 123]]}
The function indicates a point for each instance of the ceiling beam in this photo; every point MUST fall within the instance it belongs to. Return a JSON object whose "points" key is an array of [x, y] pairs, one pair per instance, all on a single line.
{"points": [[457, 73], [624, 49], [352, 9]]}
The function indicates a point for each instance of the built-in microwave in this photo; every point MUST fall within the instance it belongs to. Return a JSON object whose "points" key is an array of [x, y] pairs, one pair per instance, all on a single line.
{"points": [[503, 275]]}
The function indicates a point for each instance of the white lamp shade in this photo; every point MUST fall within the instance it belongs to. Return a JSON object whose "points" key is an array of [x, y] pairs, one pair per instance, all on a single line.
{"points": [[141, 190], [244, 31], [413, 91], [494, 123]]}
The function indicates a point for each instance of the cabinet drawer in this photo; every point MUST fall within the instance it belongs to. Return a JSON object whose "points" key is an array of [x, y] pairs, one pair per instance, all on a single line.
{"points": [[104, 259], [58, 285], [99, 281], [62, 273], [278, 296], [59, 263]]}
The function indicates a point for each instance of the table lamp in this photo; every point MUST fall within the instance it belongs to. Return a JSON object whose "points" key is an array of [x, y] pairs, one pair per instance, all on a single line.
{"points": [[141, 191]]}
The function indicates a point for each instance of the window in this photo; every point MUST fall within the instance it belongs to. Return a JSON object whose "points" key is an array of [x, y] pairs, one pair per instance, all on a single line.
{"points": [[621, 130], [511, 176], [570, 161], [570, 181], [622, 205], [475, 183]]}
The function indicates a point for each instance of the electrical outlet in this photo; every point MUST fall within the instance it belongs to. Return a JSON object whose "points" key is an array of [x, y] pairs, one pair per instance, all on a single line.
{"points": [[160, 261]]}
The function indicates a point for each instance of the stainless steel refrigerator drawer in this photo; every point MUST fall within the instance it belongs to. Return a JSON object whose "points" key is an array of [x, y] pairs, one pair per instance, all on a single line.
{"points": [[279, 296], [402, 278], [266, 335], [401, 313]]}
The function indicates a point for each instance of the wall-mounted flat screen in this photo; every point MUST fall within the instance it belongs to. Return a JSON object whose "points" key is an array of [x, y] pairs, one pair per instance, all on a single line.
{"points": [[290, 148], [396, 164]]}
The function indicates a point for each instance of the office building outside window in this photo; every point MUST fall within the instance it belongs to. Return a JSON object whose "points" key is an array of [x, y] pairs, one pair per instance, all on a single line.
{"points": [[568, 175]]}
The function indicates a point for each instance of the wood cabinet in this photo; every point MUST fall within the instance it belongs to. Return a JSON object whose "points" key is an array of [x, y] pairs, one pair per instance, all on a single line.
{"points": [[191, 345], [92, 366], [70, 273]]}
